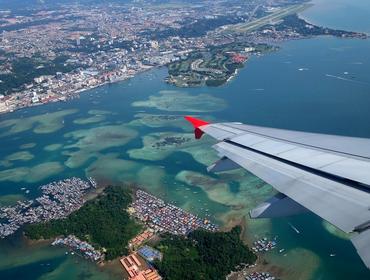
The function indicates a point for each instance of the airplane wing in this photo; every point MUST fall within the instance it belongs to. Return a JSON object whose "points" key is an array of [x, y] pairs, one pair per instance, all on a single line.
{"points": [[326, 174]]}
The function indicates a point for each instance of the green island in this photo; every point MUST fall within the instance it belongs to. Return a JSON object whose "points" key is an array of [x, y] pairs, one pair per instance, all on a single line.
{"points": [[213, 66], [105, 223], [102, 221], [202, 255]]}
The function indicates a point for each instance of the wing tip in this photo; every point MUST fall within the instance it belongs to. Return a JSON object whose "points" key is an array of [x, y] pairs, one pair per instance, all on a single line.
{"points": [[196, 124]]}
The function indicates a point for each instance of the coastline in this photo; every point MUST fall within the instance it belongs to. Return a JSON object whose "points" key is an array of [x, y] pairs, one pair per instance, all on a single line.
{"points": [[261, 263], [76, 94], [35, 242]]}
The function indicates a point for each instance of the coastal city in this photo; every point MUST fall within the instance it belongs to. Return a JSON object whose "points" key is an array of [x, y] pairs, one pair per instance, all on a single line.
{"points": [[58, 200], [52, 53]]}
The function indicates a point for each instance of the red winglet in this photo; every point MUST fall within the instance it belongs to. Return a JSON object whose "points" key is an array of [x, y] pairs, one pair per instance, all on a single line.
{"points": [[196, 123]]}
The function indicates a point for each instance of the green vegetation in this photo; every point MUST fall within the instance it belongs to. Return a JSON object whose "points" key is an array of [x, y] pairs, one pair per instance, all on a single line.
{"points": [[103, 222], [214, 66], [24, 70], [203, 255]]}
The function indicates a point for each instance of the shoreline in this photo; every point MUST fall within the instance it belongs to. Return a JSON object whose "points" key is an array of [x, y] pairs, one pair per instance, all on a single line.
{"points": [[77, 93], [261, 264]]}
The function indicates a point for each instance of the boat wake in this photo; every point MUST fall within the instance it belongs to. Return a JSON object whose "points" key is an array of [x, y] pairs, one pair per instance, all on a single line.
{"points": [[346, 79]]}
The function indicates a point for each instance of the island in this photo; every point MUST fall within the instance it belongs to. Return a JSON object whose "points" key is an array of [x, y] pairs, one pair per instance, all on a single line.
{"points": [[150, 237]]}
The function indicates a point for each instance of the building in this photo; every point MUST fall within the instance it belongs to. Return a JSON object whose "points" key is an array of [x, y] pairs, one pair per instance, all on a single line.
{"points": [[35, 98], [149, 274], [132, 265], [39, 80], [142, 237], [137, 269], [149, 253], [3, 107]]}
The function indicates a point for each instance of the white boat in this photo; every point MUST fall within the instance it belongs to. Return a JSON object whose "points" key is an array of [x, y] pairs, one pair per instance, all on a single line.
{"points": [[294, 228]]}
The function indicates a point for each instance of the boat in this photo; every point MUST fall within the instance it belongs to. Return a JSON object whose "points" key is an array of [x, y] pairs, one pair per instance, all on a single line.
{"points": [[294, 228]]}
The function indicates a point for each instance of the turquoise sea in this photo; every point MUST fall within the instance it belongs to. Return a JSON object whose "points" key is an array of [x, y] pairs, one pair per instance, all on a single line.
{"points": [[319, 84]]}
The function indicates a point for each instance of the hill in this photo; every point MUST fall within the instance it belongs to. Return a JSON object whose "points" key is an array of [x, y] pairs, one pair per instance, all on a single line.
{"points": [[103, 222], [203, 255]]}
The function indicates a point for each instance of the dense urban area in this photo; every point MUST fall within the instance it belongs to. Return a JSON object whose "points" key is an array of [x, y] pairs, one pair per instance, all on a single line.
{"points": [[51, 51], [58, 200], [164, 217]]}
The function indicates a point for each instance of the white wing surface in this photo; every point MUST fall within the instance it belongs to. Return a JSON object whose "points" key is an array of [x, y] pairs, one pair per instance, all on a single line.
{"points": [[326, 174]]}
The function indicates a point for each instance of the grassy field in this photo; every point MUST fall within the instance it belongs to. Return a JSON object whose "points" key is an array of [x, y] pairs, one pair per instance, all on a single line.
{"points": [[211, 67]]}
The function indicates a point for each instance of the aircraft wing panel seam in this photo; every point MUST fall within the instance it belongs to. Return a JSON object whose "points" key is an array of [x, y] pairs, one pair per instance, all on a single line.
{"points": [[300, 144], [332, 198], [319, 172]]}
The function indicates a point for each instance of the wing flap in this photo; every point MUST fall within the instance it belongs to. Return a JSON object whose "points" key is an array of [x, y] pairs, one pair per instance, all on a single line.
{"points": [[362, 245], [339, 204]]}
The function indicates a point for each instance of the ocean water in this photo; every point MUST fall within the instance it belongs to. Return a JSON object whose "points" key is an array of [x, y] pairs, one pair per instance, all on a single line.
{"points": [[341, 14], [319, 84]]}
